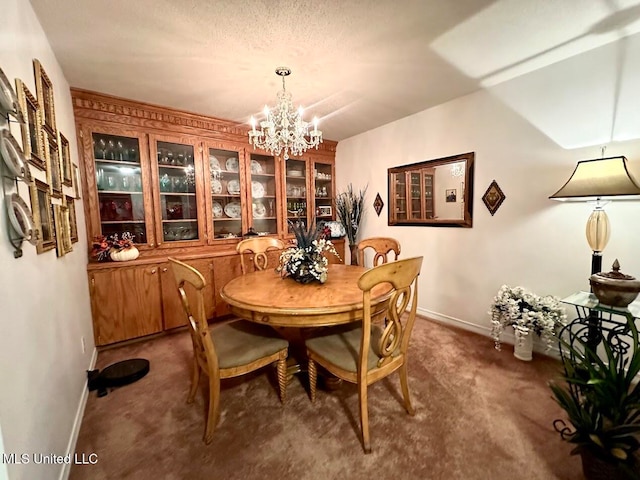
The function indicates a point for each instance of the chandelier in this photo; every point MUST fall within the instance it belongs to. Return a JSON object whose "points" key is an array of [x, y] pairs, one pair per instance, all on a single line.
{"points": [[283, 129], [457, 170]]}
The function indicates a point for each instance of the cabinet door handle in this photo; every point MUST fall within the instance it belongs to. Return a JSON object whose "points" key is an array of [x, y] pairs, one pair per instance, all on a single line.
{"points": [[151, 245], [158, 243], [164, 270], [153, 271]]}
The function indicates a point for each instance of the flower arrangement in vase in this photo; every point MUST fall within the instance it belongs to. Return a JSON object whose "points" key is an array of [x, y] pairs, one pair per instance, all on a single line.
{"points": [[305, 261], [350, 207], [114, 248], [526, 312]]}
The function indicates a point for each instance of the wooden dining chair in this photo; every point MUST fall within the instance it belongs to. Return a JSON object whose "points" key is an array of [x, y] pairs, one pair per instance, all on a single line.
{"points": [[226, 350], [382, 247], [368, 353], [259, 247]]}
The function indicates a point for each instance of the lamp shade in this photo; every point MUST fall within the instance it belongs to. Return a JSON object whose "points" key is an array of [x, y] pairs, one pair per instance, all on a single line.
{"points": [[603, 178]]}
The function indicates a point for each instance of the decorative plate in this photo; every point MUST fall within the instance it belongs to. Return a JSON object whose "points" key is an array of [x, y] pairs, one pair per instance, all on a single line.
{"points": [[21, 218], [8, 98], [259, 210], [216, 187], [232, 210], [233, 187], [257, 189], [12, 154], [217, 209], [256, 167], [214, 164], [232, 164], [294, 173]]}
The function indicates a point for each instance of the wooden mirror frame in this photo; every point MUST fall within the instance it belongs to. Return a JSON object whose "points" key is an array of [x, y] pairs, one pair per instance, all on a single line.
{"points": [[396, 197]]}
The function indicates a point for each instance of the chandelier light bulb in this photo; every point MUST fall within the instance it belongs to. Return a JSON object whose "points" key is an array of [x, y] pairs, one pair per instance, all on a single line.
{"points": [[284, 130]]}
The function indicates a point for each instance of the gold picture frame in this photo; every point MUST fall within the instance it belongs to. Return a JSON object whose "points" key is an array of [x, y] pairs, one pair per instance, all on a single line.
{"points": [[32, 141], [73, 222], [41, 210], [54, 172], [63, 232], [44, 92], [77, 186], [65, 160]]}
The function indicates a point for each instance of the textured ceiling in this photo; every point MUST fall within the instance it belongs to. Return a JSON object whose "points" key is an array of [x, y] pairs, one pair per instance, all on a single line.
{"points": [[357, 64]]}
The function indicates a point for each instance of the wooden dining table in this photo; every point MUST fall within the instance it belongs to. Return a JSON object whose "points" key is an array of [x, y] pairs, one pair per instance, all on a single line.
{"points": [[265, 297]]}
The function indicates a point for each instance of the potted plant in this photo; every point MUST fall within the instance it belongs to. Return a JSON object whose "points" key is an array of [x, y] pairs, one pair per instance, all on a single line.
{"points": [[305, 261], [350, 207], [526, 312], [603, 406]]}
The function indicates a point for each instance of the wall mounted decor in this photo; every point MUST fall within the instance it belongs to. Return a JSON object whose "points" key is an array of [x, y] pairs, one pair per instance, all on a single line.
{"points": [[426, 193], [73, 222], [77, 186], [41, 208], [9, 104], [13, 157], [65, 160], [44, 91], [32, 140], [493, 197], [62, 230], [54, 173], [378, 204]]}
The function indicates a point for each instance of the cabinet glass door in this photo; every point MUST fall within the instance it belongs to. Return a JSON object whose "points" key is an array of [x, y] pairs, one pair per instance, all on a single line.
{"points": [[177, 192], [224, 170], [415, 194], [296, 190], [400, 195], [428, 195], [119, 185], [323, 191], [263, 194]]}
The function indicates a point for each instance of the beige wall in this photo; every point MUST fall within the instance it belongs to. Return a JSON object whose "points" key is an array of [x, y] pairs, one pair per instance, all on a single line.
{"points": [[44, 300], [531, 241]]}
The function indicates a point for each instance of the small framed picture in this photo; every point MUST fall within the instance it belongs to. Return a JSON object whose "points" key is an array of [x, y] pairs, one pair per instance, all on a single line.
{"points": [[451, 195], [325, 211], [41, 208], [44, 92], [32, 139]]}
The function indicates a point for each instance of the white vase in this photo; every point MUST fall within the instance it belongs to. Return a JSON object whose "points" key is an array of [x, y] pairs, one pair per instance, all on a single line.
{"points": [[125, 254], [523, 347]]}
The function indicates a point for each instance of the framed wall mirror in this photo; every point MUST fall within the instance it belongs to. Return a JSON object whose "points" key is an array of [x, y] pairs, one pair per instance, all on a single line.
{"points": [[435, 193]]}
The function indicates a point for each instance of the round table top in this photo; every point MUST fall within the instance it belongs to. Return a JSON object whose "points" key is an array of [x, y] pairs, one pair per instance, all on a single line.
{"points": [[265, 297]]}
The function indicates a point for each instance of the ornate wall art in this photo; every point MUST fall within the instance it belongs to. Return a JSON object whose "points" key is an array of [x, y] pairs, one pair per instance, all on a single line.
{"points": [[41, 208], [65, 160], [44, 91], [77, 186], [73, 222], [54, 172], [9, 104], [378, 204], [493, 197], [32, 140], [62, 230]]}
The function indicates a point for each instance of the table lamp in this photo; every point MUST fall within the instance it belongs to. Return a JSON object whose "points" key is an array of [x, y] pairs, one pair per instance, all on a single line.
{"points": [[598, 181]]}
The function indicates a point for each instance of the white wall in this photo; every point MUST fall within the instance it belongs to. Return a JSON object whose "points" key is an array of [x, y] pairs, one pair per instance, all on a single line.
{"points": [[531, 241], [44, 300]]}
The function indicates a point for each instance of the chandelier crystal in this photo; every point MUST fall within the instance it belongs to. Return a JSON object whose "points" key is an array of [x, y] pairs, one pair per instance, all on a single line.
{"points": [[283, 130]]}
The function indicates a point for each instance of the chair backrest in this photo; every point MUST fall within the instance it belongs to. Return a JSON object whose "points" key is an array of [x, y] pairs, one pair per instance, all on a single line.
{"points": [[382, 247], [203, 347], [258, 246], [394, 338]]}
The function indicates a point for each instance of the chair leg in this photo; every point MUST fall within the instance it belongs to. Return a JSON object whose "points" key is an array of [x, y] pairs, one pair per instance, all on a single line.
{"points": [[404, 383], [195, 380], [313, 378], [213, 412], [364, 416], [282, 376]]}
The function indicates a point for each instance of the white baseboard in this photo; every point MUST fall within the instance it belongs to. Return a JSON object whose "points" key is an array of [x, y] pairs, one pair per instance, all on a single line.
{"points": [[508, 337], [77, 423]]}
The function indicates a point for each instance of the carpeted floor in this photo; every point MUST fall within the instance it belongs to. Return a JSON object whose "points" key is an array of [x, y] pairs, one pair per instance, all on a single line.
{"points": [[480, 414]]}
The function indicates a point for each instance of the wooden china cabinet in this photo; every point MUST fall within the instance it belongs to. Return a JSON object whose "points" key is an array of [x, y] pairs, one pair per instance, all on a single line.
{"points": [[187, 186]]}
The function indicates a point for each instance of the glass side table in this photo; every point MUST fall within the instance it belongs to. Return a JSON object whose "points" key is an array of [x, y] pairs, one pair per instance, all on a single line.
{"points": [[597, 322]]}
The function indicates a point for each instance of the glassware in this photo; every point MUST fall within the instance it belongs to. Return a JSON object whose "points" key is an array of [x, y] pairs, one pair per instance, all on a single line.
{"points": [[119, 151], [165, 183], [102, 145], [111, 147]]}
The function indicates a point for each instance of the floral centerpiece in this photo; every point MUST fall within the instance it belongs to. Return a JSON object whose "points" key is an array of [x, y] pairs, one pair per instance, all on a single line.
{"points": [[525, 312], [305, 261], [104, 247]]}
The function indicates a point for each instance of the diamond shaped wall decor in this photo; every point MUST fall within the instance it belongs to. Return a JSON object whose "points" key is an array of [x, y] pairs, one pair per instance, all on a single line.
{"points": [[493, 197], [378, 204]]}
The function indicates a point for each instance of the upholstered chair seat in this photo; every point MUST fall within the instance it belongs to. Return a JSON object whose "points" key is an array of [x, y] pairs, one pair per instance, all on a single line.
{"points": [[242, 342]]}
